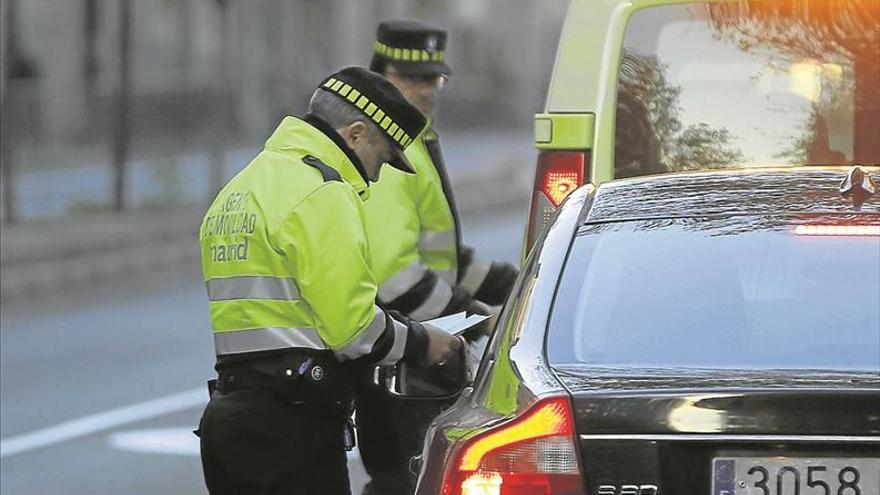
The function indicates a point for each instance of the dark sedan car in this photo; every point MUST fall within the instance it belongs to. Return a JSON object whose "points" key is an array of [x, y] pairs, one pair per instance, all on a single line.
{"points": [[695, 333]]}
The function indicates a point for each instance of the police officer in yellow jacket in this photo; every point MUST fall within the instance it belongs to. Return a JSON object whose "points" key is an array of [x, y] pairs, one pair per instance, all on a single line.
{"points": [[292, 296], [422, 267]]}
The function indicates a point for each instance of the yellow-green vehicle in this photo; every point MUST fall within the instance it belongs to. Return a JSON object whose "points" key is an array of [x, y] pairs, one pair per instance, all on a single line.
{"points": [[659, 88], [653, 86]]}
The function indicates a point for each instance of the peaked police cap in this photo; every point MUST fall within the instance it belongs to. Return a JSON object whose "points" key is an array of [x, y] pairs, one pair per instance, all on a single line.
{"points": [[381, 102], [413, 47]]}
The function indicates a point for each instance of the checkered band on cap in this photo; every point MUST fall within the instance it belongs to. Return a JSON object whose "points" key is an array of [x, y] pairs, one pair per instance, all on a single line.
{"points": [[370, 109], [408, 54]]}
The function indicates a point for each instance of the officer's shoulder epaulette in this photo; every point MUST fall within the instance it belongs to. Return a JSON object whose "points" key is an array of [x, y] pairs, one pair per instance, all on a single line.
{"points": [[328, 172]]}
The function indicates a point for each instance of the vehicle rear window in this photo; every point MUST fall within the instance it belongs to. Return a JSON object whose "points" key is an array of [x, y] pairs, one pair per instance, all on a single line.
{"points": [[760, 82], [737, 293]]}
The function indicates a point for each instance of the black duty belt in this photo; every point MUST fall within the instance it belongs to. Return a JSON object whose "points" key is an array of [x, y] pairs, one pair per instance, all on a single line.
{"points": [[316, 381], [279, 373], [230, 381]]}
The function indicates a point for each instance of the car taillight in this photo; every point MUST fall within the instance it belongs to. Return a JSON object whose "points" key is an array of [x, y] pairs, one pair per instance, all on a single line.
{"points": [[558, 174], [533, 454]]}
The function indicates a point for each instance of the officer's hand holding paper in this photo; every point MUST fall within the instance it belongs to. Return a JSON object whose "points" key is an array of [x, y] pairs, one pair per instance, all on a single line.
{"points": [[462, 325], [446, 366], [485, 327], [441, 344]]}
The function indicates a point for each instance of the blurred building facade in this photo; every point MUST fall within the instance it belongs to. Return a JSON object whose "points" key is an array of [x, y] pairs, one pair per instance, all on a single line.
{"points": [[204, 74]]}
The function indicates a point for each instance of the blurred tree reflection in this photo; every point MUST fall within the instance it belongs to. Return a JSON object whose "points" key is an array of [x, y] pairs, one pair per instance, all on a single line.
{"points": [[649, 136], [813, 146], [646, 93], [804, 29], [701, 146], [841, 32]]}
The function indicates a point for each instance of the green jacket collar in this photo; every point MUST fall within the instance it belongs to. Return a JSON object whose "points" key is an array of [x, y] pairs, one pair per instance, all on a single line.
{"points": [[429, 134], [310, 135]]}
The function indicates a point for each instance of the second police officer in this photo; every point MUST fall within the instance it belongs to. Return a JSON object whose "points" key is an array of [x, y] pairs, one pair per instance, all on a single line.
{"points": [[422, 267]]}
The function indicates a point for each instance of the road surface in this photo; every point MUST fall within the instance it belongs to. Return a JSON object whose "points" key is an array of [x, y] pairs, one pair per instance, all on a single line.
{"points": [[102, 386]]}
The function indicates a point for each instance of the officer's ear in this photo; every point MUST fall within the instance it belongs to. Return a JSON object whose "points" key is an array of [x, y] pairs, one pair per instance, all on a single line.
{"points": [[358, 131]]}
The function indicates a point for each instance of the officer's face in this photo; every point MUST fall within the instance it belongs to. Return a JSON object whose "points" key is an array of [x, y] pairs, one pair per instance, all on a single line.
{"points": [[370, 145], [420, 90], [381, 151]]}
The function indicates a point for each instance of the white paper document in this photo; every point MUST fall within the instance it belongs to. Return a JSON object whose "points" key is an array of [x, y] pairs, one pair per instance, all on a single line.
{"points": [[456, 324]]}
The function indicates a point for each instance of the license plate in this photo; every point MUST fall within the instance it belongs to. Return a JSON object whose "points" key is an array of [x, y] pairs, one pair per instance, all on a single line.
{"points": [[795, 476]]}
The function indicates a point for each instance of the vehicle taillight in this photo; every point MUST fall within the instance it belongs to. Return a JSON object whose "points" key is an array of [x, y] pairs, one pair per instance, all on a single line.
{"points": [[533, 454], [558, 174]]}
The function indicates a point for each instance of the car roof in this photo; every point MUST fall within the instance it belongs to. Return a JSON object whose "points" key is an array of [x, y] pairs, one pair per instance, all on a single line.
{"points": [[757, 191]]}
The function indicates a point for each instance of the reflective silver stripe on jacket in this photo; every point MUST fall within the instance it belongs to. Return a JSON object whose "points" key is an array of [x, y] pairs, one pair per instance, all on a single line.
{"points": [[251, 287], [401, 282], [447, 275], [436, 240], [475, 274], [434, 305], [266, 339], [397, 350], [364, 342]]}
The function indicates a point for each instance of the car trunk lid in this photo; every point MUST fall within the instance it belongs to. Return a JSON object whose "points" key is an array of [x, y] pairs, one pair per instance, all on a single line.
{"points": [[673, 432]]}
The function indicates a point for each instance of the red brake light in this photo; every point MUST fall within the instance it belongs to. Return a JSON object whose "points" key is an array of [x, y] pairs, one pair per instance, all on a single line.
{"points": [[557, 175], [838, 230], [560, 173], [533, 454]]}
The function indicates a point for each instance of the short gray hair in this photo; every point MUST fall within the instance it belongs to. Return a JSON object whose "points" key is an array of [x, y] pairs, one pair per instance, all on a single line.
{"points": [[336, 112]]}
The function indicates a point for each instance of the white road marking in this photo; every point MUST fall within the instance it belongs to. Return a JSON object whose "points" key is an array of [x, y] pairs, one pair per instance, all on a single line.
{"points": [[103, 421], [181, 442], [169, 441]]}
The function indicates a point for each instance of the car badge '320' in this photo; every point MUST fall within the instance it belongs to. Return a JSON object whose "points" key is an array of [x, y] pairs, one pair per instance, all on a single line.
{"points": [[628, 490]]}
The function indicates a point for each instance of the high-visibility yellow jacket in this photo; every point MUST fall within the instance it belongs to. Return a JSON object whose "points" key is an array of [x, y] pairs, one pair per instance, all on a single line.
{"points": [[423, 269], [285, 255]]}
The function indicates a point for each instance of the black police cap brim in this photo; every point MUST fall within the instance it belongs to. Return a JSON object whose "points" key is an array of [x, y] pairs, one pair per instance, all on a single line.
{"points": [[400, 161], [423, 68]]}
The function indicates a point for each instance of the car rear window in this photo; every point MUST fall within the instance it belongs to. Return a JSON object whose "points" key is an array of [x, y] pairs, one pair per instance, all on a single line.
{"points": [[735, 293], [759, 82]]}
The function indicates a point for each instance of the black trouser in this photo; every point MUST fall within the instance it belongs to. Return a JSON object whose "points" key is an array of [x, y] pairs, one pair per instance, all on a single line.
{"points": [[390, 432], [257, 444]]}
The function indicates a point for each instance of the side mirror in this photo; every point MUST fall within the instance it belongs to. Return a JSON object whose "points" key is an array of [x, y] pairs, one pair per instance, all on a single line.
{"points": [[440, 381]]}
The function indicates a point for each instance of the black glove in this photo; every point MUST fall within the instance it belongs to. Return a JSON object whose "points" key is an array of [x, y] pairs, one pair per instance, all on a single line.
{"points": [[478, 308], [498, 283]]}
